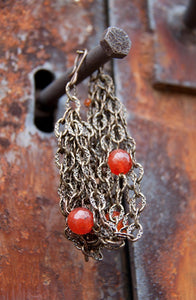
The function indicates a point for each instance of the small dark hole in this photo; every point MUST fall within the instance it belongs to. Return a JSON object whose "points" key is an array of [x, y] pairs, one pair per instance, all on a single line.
{"points": [[43, 117], [43, 78]]}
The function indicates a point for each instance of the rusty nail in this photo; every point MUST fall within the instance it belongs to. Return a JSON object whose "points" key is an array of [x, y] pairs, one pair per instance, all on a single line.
{"points": [[114, 44]]}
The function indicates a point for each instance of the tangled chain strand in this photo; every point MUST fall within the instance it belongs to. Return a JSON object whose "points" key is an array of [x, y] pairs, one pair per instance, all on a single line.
{"points": [[108, 119], [85, 178]]}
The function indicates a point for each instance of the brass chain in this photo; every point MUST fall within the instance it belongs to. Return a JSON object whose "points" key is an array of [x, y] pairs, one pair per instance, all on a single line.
{"points": [[85, 178]]}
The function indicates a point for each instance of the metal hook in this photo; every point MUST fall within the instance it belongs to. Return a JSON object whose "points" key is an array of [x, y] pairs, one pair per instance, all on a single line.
{"points": [[77, 65]]}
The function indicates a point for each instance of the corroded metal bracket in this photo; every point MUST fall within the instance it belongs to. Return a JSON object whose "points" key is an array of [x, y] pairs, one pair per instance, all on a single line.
{"points": [[175, 45]]}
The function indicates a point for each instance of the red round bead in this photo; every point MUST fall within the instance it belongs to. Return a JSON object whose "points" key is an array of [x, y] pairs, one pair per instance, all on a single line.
{"points": [[87, 102], [119, 161], [80, 220], [116, 214]]}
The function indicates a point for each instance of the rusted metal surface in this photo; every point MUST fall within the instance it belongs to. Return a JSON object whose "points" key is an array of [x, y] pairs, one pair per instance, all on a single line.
{"points": [[36, 261], [164, 127], [174, 45]]}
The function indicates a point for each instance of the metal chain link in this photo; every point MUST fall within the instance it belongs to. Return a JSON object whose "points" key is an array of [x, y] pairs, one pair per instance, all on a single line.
{"points": [[85, 178]]}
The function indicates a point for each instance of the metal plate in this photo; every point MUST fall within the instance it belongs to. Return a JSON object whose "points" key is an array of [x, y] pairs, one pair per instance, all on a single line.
{"points": [[174, 46], [164, 127]]}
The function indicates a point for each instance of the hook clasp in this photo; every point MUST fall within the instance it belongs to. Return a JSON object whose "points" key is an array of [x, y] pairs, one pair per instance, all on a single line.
{"points": [[77, 65]]}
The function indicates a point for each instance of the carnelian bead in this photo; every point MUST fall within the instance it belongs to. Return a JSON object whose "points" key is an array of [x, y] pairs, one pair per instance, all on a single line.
{"points": [[120, 223], [80, 220], [119, 161], [87, 102]]}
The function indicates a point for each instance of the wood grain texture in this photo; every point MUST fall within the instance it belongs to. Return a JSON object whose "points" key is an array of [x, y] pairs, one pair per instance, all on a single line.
{"points": [[164, 127], [36, 261]]}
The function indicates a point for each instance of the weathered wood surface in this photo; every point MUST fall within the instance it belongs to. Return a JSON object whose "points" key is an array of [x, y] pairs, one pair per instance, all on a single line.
{"points": [[164, 126]]}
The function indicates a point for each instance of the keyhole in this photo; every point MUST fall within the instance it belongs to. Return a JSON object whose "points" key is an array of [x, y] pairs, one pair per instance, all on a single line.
{"points": [[43, 116]]}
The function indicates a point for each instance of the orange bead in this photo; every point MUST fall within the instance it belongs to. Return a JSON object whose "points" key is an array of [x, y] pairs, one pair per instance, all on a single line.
{"points": [[87, 102], [120, 223], [80, 220], [119, 162]]}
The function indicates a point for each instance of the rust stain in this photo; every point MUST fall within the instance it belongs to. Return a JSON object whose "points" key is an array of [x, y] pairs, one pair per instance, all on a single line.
{"points": [[36, 262], [174, 48], [186, 278], [181, 265], [4, 142], [164, 127]]}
